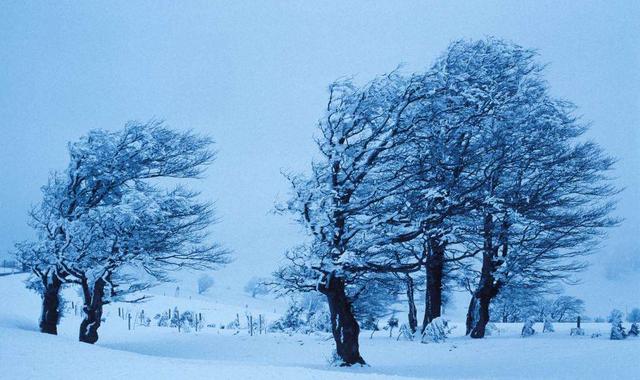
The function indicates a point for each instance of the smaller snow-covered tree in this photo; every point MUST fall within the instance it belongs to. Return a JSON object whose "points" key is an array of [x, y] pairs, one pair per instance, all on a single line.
{"points": [[527, 329], [617, 330], [548, 326], [634, 330], [205, 282], [256, 286]]}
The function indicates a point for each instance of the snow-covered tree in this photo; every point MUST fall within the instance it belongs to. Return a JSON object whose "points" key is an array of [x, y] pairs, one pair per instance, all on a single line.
{"points": [[360, 142], [256, 286], [618, 331], [566, 308], [106, 225], [545, 200], [205, 282]]}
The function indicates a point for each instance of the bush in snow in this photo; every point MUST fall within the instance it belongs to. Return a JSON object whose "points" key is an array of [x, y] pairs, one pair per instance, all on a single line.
{"points": [[392, 323], [369, 323], [548, 326], [436, 331], [527, 329], [291, 321], [617, 330], [233, 325], [205, 282], [634, 315], [577, 331], [634, 330], [163, 319]]}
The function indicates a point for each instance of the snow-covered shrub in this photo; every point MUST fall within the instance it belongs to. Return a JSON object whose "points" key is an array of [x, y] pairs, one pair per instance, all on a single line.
{"points": [[436, 331], [527, 329], [175, 318], [291, 321], [577, 331], [369, 323], [392, 323], [634, 330], [188, 320], [617, 330], [320, 321], [548, 326], [205, 282], [163, 319], [233, 325], [596, 335]]}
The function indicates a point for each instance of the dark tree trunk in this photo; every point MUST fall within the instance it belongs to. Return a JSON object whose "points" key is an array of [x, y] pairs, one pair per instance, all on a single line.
{"points": [[435, 277], [488, 287], [479, 328], [413, 312], [93, 302], [50, 315], [344, 326]]}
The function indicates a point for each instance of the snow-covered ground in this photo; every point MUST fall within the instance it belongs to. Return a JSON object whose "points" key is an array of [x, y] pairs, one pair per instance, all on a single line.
{"points": [[163, 353]]}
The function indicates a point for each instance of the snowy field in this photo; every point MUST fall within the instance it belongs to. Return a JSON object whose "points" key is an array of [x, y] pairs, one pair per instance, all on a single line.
{"points": [[164, 353]]}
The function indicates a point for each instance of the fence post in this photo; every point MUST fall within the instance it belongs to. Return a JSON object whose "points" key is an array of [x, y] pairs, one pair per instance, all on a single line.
{"points": [[129, 321]]}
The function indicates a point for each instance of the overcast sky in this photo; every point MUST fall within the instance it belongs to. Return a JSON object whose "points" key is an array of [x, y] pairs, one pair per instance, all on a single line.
{"points": [[254, 76]]}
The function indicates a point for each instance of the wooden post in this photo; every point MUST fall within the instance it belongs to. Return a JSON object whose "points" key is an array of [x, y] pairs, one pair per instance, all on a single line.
{"points": [[251, 325], [578, 321], [178, 318], [129, 320]]}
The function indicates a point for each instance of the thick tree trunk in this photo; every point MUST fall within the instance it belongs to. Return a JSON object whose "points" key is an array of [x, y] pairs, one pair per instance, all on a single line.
{"points": [[413, 312], [435, 277], [50, 315], [344, 326], [93, 302], [479, 328]]}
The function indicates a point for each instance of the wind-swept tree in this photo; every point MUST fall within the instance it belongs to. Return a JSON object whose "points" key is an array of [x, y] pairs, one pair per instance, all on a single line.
{"points": [[546, 198], [361, 141], [105, 169]]}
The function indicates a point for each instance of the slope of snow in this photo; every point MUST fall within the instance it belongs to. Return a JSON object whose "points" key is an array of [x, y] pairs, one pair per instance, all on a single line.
{"points": [[163, 353]]}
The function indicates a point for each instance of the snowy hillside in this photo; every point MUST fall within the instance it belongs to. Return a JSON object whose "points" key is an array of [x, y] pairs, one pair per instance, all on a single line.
{"points": [[234, 354]]}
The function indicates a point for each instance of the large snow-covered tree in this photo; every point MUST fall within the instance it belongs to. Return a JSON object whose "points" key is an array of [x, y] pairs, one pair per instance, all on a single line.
{"points": [[361, 144], [546, 197]]}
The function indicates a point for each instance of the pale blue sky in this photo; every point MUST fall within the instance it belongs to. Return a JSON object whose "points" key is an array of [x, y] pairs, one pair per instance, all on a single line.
{"points": [[254, 76]]}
